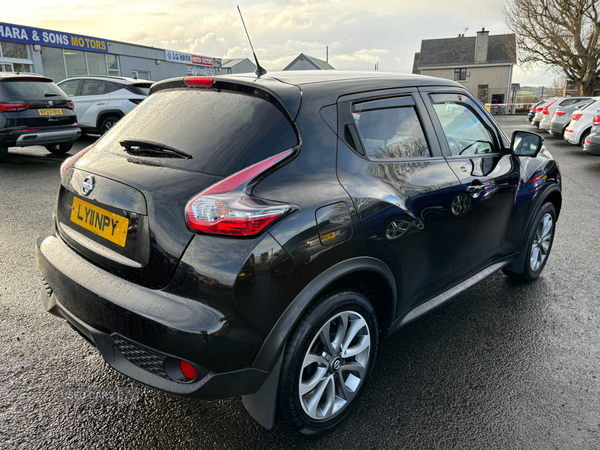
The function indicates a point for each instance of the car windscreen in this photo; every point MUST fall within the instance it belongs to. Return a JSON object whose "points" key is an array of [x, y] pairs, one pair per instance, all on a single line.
{"points": [[224, 132], [30, 90]]}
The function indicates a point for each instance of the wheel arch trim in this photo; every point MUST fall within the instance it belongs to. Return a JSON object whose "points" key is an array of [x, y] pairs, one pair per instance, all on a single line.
{"points": [[275, 341]]}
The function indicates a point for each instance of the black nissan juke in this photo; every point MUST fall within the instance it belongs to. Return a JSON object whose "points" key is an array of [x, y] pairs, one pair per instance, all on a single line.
{"points": [[259, 236]]}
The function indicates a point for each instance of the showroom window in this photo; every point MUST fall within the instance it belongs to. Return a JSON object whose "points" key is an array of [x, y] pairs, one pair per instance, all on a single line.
{"points": [[96, 63], [60, 63], [11, 53]]}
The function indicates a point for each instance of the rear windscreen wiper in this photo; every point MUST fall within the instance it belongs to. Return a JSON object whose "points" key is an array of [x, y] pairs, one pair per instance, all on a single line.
{"points": [[141, 146], [50, 95]]}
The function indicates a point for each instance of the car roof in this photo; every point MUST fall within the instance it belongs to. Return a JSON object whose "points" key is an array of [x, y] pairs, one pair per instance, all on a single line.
{"points": [[4, 76], [305, 77], [122, 80]]}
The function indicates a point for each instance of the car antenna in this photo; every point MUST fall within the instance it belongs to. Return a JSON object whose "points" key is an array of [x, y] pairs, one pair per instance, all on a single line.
{"points": [[259, 69]]}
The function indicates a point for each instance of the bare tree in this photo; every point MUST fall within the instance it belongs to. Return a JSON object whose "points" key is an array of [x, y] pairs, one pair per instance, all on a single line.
{"points": [[561, 34], [557, 88]]}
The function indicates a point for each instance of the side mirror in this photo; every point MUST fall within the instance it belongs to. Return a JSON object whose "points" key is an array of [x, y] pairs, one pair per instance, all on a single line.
{"points": [[525, 143]]}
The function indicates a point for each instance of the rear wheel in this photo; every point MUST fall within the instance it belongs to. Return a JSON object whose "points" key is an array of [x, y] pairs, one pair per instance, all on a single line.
{"points": [[3, 152], [327, 363], [59, 149], [539, 245], [584, 136], [108, 123]]}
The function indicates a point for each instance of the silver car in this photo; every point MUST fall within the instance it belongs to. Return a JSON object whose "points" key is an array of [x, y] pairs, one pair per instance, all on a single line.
{"points": [[550, 110]]}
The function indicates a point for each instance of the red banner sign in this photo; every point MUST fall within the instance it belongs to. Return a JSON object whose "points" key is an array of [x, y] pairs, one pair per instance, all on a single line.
{"points": [[202, 60]]}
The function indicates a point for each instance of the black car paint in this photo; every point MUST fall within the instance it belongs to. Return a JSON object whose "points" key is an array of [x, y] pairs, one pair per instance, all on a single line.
{"points": [[244, 325], [16, 125]]}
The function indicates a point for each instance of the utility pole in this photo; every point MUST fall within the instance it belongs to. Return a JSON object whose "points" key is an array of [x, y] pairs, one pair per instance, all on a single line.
{"points": [[327, 54]]}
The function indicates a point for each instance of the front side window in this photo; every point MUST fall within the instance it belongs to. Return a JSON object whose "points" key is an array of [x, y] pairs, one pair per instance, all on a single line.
{"points": [[392, 133], [465, 133], [69, 87], [460, 74]]}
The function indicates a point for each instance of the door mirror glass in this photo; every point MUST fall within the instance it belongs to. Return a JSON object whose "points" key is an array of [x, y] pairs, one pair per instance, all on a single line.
{"points": [[525, 143]]}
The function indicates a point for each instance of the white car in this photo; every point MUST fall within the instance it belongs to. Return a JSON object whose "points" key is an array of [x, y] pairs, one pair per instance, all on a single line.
{"points": [[100, 101], [581, 123], [549, 110]]}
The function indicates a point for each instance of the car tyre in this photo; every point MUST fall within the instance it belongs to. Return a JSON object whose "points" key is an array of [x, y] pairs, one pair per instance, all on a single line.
{"points": [[59, 149], [3, 152], [584, 137], [108, 123], [539, 245], [327, 363]]}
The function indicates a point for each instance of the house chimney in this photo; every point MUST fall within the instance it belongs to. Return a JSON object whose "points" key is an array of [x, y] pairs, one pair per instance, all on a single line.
{"points": [[481, 46]]}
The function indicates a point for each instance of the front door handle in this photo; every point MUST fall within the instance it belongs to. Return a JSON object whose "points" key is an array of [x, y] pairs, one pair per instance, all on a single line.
{"points": [[101, 103], [475, 189]]}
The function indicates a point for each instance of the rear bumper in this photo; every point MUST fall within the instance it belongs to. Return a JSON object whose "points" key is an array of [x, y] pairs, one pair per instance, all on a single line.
{"points": [[592, 149], [570, 138], [40, 137], [172, 328]]}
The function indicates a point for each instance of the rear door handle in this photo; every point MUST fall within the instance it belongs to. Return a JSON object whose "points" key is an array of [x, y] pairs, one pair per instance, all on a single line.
{"points": [[101, 103]]}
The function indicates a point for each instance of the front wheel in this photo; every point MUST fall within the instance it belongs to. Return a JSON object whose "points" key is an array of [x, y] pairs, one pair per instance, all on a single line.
{"points": [[327, 363], [59, 149], [540, 240]]}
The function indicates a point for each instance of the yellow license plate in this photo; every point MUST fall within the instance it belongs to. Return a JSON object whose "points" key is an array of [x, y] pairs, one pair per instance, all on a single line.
{"points": [[50, 111], [108, 225]]}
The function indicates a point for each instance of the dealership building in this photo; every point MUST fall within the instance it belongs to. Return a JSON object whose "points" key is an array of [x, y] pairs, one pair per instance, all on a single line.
{"points": [[60, 55]]}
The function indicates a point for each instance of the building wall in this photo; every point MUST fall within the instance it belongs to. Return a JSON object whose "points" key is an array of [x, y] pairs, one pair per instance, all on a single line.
{"points": [[158, 72], [496, 77]]}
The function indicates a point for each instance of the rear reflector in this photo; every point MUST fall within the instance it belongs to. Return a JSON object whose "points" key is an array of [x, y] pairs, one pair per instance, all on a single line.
{"points": [[226, 209], [568, 131], [13, 107], [198, 81], [589, 142], [187, 370], [576, 116]]}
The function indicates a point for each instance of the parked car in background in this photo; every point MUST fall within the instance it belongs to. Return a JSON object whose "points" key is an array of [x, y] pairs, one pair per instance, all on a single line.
{"points": [[34, 111], [539, 111], [562, 116], [100, 101], [533, 110], [355, 202], [581, 124], [550, 109], [591, 144]]}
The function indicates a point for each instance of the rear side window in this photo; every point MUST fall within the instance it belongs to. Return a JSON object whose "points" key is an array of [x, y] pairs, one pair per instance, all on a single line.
{"points": [[112, 86], [139, 88], [392, 133], [572, 101], [28, 90], [225, 132], [94, 87]]}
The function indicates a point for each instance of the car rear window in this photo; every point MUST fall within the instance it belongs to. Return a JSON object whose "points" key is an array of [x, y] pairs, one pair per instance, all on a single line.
{"points": [[28, 89], [224, 132]]}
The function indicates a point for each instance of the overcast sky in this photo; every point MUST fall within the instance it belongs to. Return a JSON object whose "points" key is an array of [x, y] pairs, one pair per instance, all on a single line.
{"points": [[359, 33]]}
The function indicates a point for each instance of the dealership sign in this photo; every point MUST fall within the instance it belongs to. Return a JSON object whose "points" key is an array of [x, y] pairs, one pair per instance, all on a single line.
{"points": [[187, 58], [30, 35]]}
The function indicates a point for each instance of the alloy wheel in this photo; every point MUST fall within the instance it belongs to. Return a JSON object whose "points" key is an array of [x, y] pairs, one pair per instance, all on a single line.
{"points": [[335, 365], [540, 246]]}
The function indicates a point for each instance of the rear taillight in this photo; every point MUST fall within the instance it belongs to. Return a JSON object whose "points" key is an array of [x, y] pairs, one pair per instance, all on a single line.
{"points": [[538, 109], [226, 209], [137, 101], [545, 111], [596, 120], [70, 105], [69, 161], [199, 81], [13, 107], [559, 113], [576, 116]]}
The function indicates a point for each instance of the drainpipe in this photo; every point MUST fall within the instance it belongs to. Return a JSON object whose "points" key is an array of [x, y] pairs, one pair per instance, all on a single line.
{"points": [[508, 89]]}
